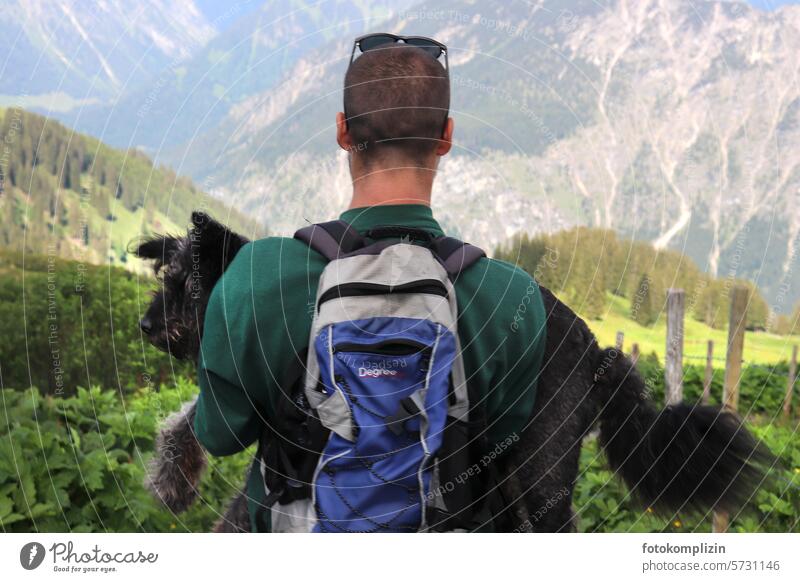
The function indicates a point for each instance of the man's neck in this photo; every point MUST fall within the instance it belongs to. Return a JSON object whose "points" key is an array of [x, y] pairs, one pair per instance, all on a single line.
{"points": [[392, 186]]}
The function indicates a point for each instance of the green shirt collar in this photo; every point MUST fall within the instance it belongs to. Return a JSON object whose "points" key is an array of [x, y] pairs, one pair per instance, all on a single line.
{"points": [[411, 215]]}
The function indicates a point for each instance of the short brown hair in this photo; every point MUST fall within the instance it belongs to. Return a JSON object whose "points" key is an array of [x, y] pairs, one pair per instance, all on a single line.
{"points": [[396, 99]]}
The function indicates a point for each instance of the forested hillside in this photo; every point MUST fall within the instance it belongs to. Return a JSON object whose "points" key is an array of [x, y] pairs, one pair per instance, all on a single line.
{"points": [[586, 266], [67, 324], [66, 194]]}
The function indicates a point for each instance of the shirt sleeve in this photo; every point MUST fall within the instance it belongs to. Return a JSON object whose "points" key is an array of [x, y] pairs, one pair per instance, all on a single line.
{"points": [[228, 418], [226, 422]]}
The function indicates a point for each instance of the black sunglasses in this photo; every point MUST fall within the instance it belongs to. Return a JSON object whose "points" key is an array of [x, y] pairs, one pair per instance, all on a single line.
{"points": [[378, 40]]}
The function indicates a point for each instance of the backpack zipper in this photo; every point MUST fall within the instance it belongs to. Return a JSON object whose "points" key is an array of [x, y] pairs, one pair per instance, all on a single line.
{"points": [[356, 289], [398, 347]]}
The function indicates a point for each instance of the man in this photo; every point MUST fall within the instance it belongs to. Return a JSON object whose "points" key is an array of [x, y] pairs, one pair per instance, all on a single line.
{"points": [[396, 128]]}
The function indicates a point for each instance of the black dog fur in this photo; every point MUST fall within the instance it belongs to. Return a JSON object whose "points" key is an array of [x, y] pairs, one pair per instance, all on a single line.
{"points": [[683, 458], [187, 267]]}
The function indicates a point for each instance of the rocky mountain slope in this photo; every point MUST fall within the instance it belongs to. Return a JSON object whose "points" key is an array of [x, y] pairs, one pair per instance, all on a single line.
{"points": [[62, 54], [668, 120], [258, 43]]}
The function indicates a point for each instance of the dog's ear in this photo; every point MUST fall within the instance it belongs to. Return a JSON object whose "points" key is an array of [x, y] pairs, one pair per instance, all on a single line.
{"points": [[217, 243], [207, 230], [158, 248], [200, 220]]}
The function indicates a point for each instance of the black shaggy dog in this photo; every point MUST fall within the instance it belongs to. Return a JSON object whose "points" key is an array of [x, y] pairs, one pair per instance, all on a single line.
{"points": [[683, 458], [187, 268]]}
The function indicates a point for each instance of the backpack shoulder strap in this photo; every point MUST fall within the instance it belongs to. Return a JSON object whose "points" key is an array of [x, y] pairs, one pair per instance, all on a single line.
{"points": [[336, 238], [331, 239], [456, 255]]}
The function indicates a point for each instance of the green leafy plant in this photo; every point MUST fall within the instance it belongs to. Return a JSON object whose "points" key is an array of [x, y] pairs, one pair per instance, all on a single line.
{"points": [[78, 463], [602, 503]]}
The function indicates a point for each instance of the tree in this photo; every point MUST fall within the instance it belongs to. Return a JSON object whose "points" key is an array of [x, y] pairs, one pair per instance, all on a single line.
{"points": [[787, 324], [783, 325], [757, 308], [713, 303], [644, 301]]}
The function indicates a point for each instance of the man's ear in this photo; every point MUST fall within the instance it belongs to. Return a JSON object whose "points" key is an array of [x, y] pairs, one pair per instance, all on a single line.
{"points": [[343, 137], [446, 142]]}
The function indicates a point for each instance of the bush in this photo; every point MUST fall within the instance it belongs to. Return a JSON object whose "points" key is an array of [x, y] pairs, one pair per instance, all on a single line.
{"points": [[73, 325], [602, 503], [77, 463], [761, 390]]}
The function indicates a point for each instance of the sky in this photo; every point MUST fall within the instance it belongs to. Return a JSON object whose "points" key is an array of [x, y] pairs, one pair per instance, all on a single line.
{"points": [[771, 4], [214, 9]]}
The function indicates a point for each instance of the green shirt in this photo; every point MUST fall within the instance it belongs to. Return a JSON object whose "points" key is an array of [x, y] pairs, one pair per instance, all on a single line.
{"points": [[259, 315]]}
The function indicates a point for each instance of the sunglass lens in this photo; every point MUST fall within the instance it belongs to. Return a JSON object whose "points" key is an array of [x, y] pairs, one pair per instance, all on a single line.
{"points": [[375, 41], [428, 46]]}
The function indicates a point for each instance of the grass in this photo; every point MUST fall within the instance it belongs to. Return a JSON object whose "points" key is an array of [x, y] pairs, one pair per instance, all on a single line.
{"points": [[759, 347], [129, 225]]}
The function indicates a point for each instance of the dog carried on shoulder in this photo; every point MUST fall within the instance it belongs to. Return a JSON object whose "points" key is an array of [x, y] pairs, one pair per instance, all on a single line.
{"points": [[682, 458]]}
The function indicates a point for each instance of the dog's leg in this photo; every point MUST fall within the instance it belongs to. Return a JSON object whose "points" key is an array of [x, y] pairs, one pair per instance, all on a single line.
{"points": [[178, 463], [511, 489], [237, 516], [547, 468], [548, 452]]}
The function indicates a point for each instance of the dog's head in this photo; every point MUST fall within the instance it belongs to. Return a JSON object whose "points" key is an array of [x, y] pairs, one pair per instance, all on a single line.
{"points": [[187, 269]]}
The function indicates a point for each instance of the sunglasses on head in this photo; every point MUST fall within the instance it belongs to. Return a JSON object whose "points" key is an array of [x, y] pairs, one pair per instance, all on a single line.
{"points": [[380, 40]]}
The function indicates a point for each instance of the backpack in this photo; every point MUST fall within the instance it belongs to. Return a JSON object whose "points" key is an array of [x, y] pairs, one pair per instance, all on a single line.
{"points": [[376, 430]]}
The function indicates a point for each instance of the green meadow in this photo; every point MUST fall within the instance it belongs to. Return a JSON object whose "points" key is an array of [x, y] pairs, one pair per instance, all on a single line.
{"points": [[759, 347]]}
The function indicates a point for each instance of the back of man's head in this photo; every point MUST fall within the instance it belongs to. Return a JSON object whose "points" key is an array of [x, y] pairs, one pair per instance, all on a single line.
{"points": [[396, 100]]}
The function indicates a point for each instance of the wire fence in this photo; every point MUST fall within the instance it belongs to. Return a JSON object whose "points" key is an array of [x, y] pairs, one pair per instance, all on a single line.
{"points": [[761, 398], [777, 381], [773, 369]]}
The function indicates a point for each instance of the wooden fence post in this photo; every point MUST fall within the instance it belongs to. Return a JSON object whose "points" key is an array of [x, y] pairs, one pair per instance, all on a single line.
{"points": [[733, 371], [787, 400], [709, 372], [673, 365], [733, 360], [634, 353], [620, 340]]}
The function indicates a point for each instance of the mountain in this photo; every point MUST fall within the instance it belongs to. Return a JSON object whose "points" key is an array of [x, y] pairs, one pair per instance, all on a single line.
{"points": [[67, 53], [676, 122], [256, 47], [67, 195]]}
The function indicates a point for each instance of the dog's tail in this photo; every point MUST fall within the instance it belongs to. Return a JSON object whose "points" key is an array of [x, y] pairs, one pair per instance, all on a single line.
{"points": [[682, 458], [178, 463]]}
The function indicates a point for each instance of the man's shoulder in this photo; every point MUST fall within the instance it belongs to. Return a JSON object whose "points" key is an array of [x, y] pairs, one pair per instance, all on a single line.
{"points": [[267, 271], [496, 273], [267, 260], [270, 249], [500, 294], [501, 266]]}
